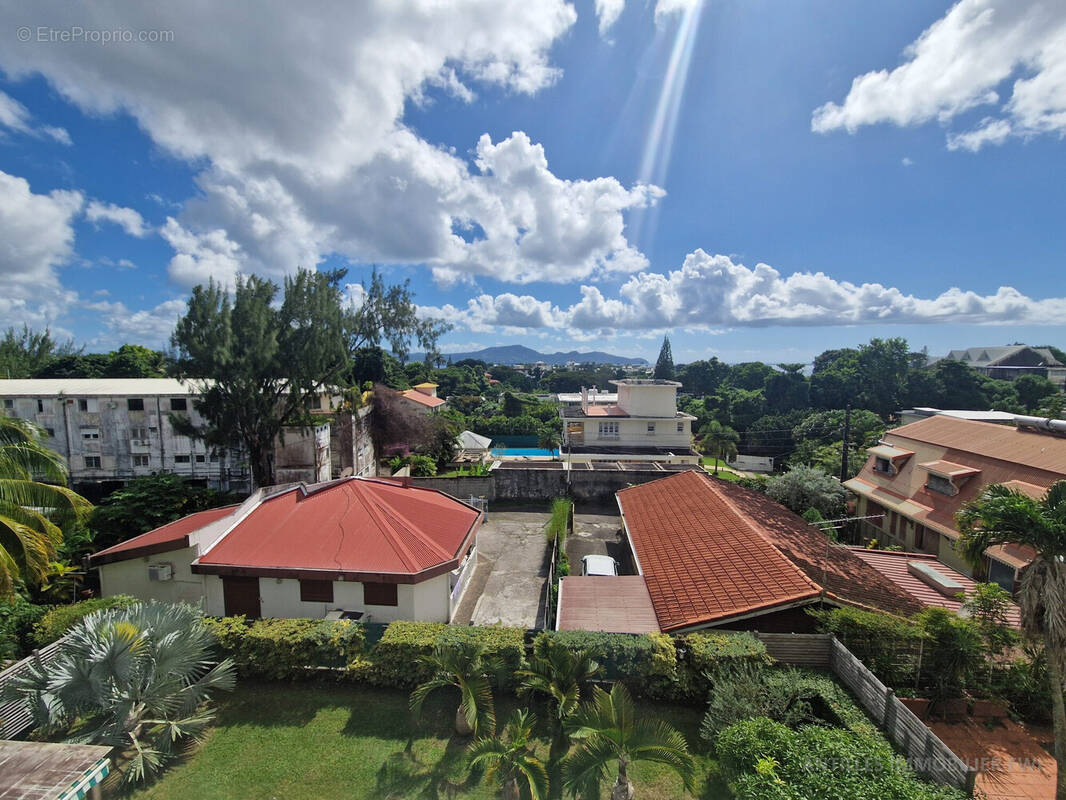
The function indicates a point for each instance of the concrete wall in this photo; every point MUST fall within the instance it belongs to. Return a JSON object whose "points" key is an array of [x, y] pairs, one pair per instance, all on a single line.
{"points": [[462, 488], [648, 401], [131, 577]]}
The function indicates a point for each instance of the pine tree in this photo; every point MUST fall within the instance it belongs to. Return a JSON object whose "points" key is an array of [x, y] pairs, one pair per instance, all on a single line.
{"points": [[664, 367]]}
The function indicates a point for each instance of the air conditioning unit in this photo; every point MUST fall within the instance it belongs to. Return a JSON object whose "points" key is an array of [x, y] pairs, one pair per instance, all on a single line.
{"points": [[160, 572]]}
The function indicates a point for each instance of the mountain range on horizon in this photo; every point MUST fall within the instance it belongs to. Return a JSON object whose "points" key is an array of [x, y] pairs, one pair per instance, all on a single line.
{"points": [[520, 354]]}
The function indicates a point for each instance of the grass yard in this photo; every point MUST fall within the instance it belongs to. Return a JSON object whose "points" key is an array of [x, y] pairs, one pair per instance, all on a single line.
{"points": [[294, 741]]}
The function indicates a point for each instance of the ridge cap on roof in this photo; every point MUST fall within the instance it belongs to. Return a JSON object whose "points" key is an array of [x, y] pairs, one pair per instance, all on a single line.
{"points": [[379, 507]]}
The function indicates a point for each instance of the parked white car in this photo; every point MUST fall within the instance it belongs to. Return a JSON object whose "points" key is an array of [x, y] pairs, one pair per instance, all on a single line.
{"points": [[599, 565]]}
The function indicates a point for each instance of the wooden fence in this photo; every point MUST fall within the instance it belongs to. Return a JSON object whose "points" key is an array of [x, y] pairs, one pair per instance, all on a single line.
{"points": [[15, 716], [923, 749]]}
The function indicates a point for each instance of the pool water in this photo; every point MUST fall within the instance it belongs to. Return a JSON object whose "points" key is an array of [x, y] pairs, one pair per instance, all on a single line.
{"points": [[523, 451]]}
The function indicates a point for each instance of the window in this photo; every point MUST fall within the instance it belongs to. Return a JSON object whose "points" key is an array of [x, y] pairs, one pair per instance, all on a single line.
{"points": [[135, 404], [40, 406], [179, 404], [138, 433], [9, 402], [919, 537], [316, 591], [681, 427], [141, 461], [181, 459], [201, 459], [882, 465], [51, 432], [651, 427], [608, 430], [92, 462], [83, 404], [90, 434], [1000, 573], [940, 484], [380, 594]]}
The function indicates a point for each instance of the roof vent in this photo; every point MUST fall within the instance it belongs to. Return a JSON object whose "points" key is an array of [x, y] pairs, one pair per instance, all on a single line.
{"points": [[935, 579]]}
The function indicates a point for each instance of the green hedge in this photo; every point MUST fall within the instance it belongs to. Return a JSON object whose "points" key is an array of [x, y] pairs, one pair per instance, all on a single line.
{"points": [[54, 625], [288, 648], [699, 654], [394, 660], [18, 618], [766, 760]]}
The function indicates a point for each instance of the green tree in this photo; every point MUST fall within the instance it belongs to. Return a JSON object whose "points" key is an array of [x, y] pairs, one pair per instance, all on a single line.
{"points": [[835, 378], [135, 361], [608, 729], [137, 678], [787, 390], [1033, 389], [807, 487], [33, 508], [750, 375], [147, 502], [664, 365], [510, 758], [961, 386], [720, 441], [466, 667], [24, 352], [1000, 515], [883, 369], [1053, 407], [701, 378]]}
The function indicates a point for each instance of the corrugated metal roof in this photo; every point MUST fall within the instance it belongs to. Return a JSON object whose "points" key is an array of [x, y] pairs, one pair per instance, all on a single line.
{"points": [[618, 604], [173, 533], [100, 387], [1030, 448], [710, 550], [351, 525]]}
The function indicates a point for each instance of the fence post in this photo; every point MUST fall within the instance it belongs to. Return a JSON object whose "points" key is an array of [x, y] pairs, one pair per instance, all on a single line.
{"points": [[918, 668]]}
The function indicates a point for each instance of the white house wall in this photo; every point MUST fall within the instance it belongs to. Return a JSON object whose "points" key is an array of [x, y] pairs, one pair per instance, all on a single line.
{"points": [[131, 577], [634, 432]]}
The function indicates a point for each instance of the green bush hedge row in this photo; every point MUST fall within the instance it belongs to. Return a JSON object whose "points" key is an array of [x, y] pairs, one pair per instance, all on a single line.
{"points": [[60, 619], [656, 665]]}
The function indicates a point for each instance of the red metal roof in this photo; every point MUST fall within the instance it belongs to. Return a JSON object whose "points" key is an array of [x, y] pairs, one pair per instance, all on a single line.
{"points": [[893, 565], [613, 604], [171, 536], [1027, 448], [354, 525], [711, 551]]}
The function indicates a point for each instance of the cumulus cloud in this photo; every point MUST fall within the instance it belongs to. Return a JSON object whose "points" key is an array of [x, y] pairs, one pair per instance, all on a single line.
{"points": [[308, 155], [16, 117], [608, 12], [714, 292], [128, 219], [151, 327], [962, 62]]}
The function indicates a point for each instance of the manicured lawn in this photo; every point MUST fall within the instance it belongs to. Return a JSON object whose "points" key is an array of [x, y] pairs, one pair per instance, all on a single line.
{"points": [[297, 741]]}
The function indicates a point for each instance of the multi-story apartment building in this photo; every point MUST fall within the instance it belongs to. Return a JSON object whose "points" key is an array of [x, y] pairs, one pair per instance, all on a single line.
{"points": [[918, 476], [112, 429], [644, 425]]}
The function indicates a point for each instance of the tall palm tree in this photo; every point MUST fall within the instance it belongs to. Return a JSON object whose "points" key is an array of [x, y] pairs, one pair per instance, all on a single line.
{"points": [[466, 667], [33, 511], [1000, 515], [608, 729], [510, 758], [719, 441], [138, 678]]}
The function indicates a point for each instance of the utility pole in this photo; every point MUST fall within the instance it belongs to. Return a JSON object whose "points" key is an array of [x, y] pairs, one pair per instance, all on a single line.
{"points": [[844, 444]]}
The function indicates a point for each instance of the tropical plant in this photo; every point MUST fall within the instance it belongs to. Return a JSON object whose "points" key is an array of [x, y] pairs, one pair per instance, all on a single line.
{"points": [[138, 678], [608, 729], [719, 441], [510, 758], [465, 666], [33, 510], [1000, 515]]}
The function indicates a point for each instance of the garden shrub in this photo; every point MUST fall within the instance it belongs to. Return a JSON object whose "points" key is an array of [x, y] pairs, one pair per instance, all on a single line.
{"points": [[394, 660], [889, 646], [953, 653], [647, 664], [54, 625], [700, 654], [765, 759], [17, 620], [288, 648], [1024, 683]]}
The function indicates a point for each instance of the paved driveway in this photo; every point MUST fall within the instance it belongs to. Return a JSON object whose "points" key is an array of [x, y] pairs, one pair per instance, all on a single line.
{"points": [[597, 534], [512, 571]]}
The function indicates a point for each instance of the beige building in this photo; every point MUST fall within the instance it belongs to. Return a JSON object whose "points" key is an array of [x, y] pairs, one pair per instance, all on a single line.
{"points": [[369, 549], [644, 425]]}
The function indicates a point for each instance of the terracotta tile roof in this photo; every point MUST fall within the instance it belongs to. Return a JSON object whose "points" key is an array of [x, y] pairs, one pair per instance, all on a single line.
{"points": [[710, 551], [423, 399], [351, 526], [893, 565], [1033, 449], [172, 536], [612, 604]]}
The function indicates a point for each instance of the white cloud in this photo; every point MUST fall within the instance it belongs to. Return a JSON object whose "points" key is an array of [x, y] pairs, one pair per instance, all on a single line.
{"points": [[709, 293], [665, 9], [128, 219], [608, 12], [15, 116], [308, 155], [907, 161], [151, 327], [959, 63]]}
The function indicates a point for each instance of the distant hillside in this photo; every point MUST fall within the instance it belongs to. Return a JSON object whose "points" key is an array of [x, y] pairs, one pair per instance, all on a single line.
{"points": [[520, 354]]}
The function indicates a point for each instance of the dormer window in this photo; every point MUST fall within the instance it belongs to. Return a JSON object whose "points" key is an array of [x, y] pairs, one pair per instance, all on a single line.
{"points": [[946, 477], [882, 465], [940, 485]]}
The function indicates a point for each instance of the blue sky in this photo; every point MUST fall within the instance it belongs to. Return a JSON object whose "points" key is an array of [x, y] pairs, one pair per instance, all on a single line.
{"points": [[758, 179]]}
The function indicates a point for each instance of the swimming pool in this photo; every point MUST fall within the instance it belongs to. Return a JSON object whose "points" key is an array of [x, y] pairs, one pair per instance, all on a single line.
{"points": [[523, 451]]}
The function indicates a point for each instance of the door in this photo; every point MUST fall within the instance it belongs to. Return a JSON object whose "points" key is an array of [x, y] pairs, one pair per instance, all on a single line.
{"points": [[241, 596]]}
